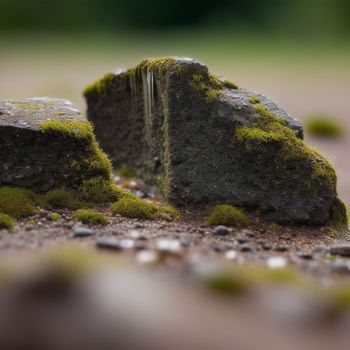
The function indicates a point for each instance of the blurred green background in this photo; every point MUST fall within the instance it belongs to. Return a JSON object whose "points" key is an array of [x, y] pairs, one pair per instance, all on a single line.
{"points": [[294, 51]]}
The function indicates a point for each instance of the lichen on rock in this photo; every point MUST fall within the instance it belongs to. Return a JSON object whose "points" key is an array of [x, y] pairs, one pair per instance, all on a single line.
{"points": [[201, 139]]}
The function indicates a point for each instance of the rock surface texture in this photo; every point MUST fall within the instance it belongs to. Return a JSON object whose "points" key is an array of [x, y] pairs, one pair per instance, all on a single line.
{"points": [[201, 139], [45, 143]]}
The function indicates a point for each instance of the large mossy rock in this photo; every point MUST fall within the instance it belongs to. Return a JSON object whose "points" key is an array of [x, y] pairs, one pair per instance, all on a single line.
{"points": [[200, 139], [45, 143]]}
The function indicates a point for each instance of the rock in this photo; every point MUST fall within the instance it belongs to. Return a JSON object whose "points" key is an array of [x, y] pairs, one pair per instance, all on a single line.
{"points": [[282, 248], [231, 255], [322, 250], [342, 250], [241, 239], [201, 140], [45, 143], [246, 248], [108, 244], [221, 230], [305, 256], [127, 244], [340, 266], [83, 232], [276, 262], [168, 245]]}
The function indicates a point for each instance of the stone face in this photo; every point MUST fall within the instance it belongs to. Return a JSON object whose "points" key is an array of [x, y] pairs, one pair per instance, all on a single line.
{"points": [[200, 139], [45, 143]]}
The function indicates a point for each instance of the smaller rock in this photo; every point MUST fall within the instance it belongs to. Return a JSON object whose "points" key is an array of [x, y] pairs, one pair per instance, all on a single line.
{"points": [[340, 266], [231, 255], [185, 243], [305, 256], [241, 239], [341, 250], [276, 262], [320, 250], [169, 245], [140, 246], [108, 244], [147, 257], [246, 248], [81, 232], [282, 248], [219, 248], [221, 230], [127, 244], [248, 233]]}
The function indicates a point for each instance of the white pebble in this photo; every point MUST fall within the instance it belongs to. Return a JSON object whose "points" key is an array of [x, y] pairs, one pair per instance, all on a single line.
{"points": [[276, 262], [231, 255]]}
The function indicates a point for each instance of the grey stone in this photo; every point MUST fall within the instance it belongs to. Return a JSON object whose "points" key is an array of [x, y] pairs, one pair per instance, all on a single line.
{"points": [[108, 244], [221, 230], [342, 250], [44, 159], [175, 125], [83, 232]]}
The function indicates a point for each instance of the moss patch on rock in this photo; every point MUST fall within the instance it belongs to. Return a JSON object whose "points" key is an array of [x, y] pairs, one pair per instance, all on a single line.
{"points": [[6, 222], [90, 216], [140, 209], [17, 202], [125, 172], [254, 100], [278, 153], [94, 167], [228, 215]]}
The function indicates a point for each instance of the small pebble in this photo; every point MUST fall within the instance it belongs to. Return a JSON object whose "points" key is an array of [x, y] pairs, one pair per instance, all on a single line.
{"points": [[246, 247], [80, 232], [108, 243], [320, 250], [231, 255], [241, 239], [276, 262], [282, 248], [126, 244], [221, 230], [342, 250], [168, 245], [340, 266], [147, 257], [305, 256]]}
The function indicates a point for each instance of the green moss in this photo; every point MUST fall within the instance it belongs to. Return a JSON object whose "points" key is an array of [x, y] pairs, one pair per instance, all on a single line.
{"points": [[55, 217], [6, 222], [207, 86], [270, 141], [100, 86], [60, 199], [31, 222], [140, 209], [28, 106], [125, 172], [17, 202], [100, 190], [95, 167], [230, 85], [254, 100], [90, 216], [323, 126], [227, 215]]}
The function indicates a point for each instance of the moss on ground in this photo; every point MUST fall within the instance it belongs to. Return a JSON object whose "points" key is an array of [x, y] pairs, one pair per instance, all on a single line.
{"points": [[6, 222], [101, 190], [125, 172], [323, 126], [17, 202], [228, 215], [90, 216], [140, 209], [55, 217], [61, 199]]}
